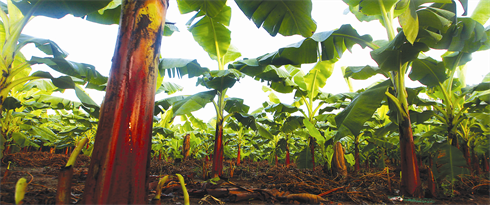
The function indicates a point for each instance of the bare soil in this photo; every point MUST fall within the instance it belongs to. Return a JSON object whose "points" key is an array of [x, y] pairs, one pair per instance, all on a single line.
{"points": [[249, 183]]}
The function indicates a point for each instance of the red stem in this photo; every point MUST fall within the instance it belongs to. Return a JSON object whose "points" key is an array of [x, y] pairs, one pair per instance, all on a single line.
{"points": [[275, 156], [485, 163], [356, 156], [218, 150], [63, 190], [312, 151], [119, 168], [411, 184], [288, 160], [238, 156]]}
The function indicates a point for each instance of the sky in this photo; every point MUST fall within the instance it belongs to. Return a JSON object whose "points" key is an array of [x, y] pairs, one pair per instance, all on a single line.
{"points": [[92, 43]]}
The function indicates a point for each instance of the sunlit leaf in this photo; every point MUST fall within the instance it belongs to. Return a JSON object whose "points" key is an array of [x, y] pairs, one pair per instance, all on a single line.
{"points": [[361, 108], [281, 16], [178, 67], [193, 102], [428, 72], [60, 8], [235, 105]]}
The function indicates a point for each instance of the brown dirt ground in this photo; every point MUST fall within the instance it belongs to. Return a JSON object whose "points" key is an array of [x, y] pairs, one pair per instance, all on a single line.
{"points": [[252, 183]]}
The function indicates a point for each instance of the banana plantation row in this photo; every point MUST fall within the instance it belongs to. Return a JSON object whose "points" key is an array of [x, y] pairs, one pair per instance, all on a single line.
{"points": [[448, 129]]}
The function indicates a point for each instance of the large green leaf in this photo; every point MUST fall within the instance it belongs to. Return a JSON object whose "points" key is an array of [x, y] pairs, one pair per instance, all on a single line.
{"points": [[245, 119], [60, 8], [164, 104], [235, 105], [374, 7], [193, 102], [11, 103], [178, 67], [313, 131], [82, 71], [110, 14], [418, 118], [409, 22], [279, 108], [317, 77], [263, 131], [45, 45], [44, 133], [292, 123], [43, 101], [453, 162], [332, 44], [211, 8], [478, 87], [397, 52], [282, 16], [304, 160], [220, 79], [252, 68], [89, 105], [169, 88], [20, 139], [481, 14], [363, 72], [361, 108], [212, 34], [467, 35], [41, 84], [428, 72]]}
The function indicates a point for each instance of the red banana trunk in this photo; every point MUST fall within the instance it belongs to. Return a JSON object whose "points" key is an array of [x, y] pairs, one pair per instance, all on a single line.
{"points": [[288, 160], [218, 150], [238, 156], [356, 157], [485, 163], [411, 184], [119, 168], [312, 151]]}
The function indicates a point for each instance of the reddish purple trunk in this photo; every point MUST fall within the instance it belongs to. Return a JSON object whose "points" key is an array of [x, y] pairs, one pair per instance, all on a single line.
{"points": [[356, 157], [411, 184], [218, 150], [119, 168], [63, 190], [275, 157], [431, 180], [288, 160], [466, 153], [238, 156], [312, 151], [476, 164], [485, 163]]}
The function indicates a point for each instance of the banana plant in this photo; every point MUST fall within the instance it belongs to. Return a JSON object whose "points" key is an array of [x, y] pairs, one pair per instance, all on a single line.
{"points": [[395, 57], [323, 49], [209, 28], [242, 130], [17, 68]]}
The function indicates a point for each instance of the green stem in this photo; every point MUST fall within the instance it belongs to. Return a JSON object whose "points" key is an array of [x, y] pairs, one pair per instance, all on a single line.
{"points": [[387, 20], [16, 70], [452, 71], [160, 186], [397, 103], [184, 189], [76, 151]]}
